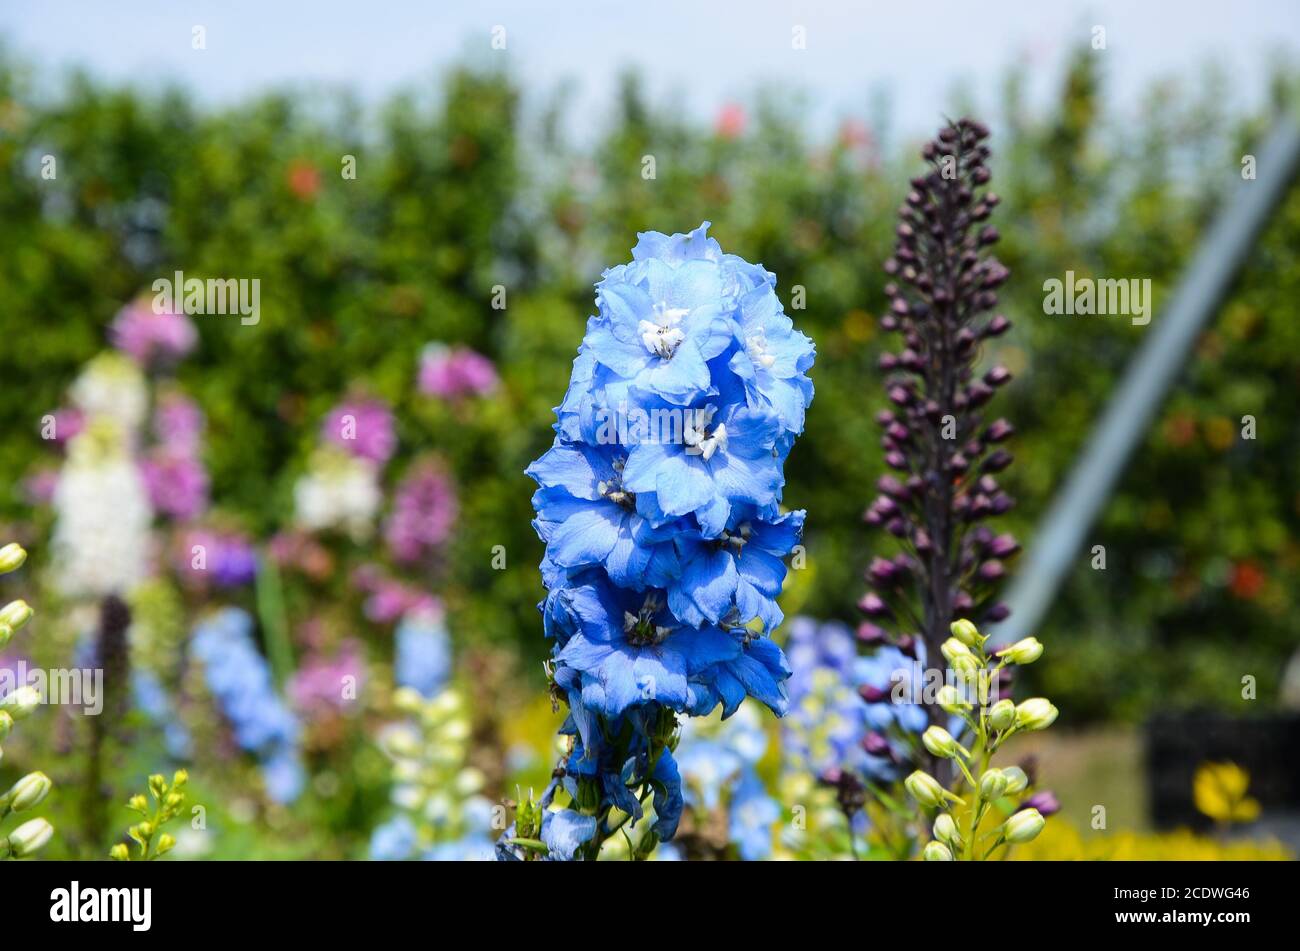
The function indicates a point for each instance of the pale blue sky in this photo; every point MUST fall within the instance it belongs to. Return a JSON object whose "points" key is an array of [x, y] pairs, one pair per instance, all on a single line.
{"points": [[689, 49]]}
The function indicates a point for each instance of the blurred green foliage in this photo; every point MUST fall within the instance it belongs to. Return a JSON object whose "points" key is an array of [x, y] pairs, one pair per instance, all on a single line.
{"points": [[457, 192]]}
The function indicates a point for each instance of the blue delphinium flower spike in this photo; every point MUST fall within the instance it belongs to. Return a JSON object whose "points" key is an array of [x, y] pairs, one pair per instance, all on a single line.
{"points": [[659, 503]]}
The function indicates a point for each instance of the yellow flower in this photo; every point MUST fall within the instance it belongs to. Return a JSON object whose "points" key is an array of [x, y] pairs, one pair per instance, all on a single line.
{"points": [[1219, 790]]}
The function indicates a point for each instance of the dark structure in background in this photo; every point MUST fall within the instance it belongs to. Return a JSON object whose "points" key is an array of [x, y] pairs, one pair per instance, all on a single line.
{"points": [[1266, 747]]}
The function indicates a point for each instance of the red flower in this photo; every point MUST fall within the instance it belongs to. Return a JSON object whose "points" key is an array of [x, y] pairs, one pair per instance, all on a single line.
{"points": [[1247, 579]]}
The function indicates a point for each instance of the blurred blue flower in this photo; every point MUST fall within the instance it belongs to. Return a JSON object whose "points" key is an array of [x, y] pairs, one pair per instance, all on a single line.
{"points": [[753, 813], [151, 697], [423, 652], [394, 840], [240, 680]]}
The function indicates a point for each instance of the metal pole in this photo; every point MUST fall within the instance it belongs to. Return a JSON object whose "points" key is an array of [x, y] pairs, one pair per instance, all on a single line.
{"points": [[1202, 288]]}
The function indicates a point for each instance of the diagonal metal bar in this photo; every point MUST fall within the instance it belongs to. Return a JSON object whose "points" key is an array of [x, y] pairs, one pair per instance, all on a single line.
{"points": [[1151, 372]]}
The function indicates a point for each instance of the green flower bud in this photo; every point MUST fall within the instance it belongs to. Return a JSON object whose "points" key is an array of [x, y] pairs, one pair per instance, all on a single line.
{"points": [[945, 830], [180, 778], [28, 839], [15, 614], [950, 699], [1017, 780], [936, 852], [27, 792], [166, 843], [157, 785], [138, 803], [6, 632], [21, 702], [952, 649], [926, 790], [408, 700], [1002, 715], [1024, 651], [1024, 826], [966, 632], [993, 784], [966, 666], [12, 557], [528, 819], [1036, 713], [119, 853], [6, 724], [940, 742]]}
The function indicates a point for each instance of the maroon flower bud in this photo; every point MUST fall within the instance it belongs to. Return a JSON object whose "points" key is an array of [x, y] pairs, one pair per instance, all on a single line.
{"points": [[896, 460], [1002, 503], [1000, 430], [992, 570], [891, 487], [831, 776], [876, 745], [1003, 546], [998, 376], [1043, 800], [872, 606], [907, 646], [997, 461], [997, 326], [977, 394], [869, 635], [882, 571], [873, 694], [899, 395], [998, 612], [887, 361]]}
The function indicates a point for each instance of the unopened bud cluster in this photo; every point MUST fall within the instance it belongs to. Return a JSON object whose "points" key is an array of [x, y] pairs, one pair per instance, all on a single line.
{"points": [[441, 812], [30, 791], [984, 811], [168, 800]]}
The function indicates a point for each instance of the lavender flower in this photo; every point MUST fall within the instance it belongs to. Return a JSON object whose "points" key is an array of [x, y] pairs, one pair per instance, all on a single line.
{"points": [[317, 686], [424, 512], [178, 424], [177, 484], [152, 339], [388, 599], [451, 373], [229, 560], [364, 428]]}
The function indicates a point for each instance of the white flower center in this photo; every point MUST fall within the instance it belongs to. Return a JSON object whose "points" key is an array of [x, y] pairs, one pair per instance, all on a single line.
{"points": [[699, 438], [756, 347], [663, 335]]}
